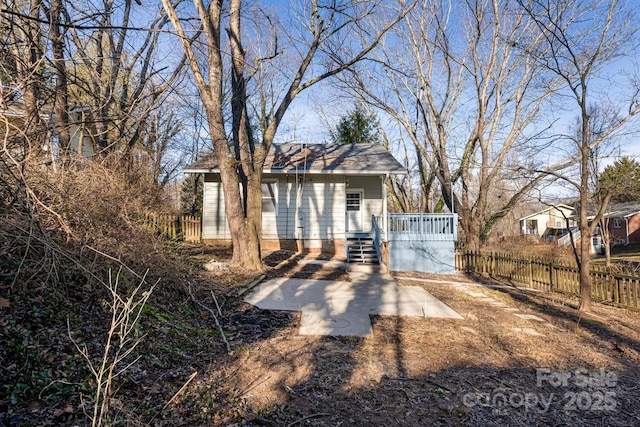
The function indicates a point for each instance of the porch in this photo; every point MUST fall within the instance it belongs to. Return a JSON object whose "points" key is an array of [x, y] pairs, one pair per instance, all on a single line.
{"points": [[407, 242]]}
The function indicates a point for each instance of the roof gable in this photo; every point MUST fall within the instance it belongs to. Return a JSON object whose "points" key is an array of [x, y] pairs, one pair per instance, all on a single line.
{"points": [[356, 159], [560, 207]]}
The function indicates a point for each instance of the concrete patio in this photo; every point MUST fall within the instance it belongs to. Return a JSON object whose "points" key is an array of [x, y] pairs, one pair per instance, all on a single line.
{"points": [[338, 308]]}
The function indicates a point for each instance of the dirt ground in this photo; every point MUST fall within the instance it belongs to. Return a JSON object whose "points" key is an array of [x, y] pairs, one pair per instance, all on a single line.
{"points": [[484, 370], [420, 371]]}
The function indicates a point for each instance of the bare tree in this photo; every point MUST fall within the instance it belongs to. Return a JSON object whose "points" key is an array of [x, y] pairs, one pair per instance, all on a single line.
{"points": [[580, 39], [468, 98], [120, 73], [23, 66], [316, 53]]}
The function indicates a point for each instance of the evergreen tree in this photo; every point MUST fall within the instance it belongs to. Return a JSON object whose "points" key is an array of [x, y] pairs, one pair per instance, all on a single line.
{"points": [[191, 195], [623, 179], [358, 126]]}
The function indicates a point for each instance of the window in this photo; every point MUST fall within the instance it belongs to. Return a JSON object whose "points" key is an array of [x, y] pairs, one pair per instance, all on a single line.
{"points": [[353, 201], [558, 223], [617, 223], [531, 226], [269, 197]]}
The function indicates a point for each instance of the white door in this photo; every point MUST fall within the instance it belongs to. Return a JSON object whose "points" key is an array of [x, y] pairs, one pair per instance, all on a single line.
{"points": [[354, 211]]}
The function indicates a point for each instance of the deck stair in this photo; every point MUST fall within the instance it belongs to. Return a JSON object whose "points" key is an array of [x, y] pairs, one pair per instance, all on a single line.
{"points": [[361, 248]]}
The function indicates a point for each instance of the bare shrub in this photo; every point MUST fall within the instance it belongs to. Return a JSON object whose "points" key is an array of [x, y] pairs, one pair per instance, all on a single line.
{"points": [[528, 246], [121, 340], [61, 231]]}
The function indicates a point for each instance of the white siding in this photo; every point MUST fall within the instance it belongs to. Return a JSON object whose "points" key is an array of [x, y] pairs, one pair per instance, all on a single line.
{"points": [[286, 218], [321, 206], [269, 219], [214, 221]]}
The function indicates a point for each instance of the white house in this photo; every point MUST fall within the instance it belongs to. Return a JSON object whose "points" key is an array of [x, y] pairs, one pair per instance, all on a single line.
{"points": [[314, 195], [549, 223], [81, 130]]}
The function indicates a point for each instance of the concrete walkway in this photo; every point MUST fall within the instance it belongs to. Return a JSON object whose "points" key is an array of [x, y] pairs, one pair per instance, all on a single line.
{"points": [[343, 308]]}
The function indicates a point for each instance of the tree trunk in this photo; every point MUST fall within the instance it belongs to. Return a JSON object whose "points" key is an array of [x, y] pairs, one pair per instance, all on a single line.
{"points": [[585, 229], [31, 72], [252, 253], [585, 265], [61, 93], [606, 240], [250, 170]]}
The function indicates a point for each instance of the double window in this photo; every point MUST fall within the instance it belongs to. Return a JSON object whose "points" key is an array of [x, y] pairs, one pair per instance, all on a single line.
{"points": [[617, 223]]}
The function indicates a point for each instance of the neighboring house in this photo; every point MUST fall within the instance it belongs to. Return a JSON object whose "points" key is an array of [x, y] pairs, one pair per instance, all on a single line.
{"points": [[313, 195], [13, 124], [80, 130], [624, 223], [548, 224]]}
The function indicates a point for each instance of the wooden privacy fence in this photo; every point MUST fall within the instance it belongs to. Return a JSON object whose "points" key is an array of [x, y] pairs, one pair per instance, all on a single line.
{"points": [[176, 227], [618, 289]]}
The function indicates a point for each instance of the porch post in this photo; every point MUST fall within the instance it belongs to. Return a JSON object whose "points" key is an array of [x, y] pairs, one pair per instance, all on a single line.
{"points": [[385, 227]]}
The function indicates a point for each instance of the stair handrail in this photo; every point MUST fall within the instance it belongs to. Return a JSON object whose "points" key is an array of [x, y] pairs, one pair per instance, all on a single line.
{"points": [[377, 240], [566, 239]]}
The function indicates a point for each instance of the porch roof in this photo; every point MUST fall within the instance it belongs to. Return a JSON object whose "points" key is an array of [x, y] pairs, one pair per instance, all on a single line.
{"points": [[343, 159]]}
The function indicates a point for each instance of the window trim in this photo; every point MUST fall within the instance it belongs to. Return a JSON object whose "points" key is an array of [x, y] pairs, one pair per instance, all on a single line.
{"points": [[274, 182]]}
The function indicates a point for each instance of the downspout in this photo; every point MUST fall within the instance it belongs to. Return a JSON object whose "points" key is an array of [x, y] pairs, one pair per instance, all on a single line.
{"points": [[626, 222]]}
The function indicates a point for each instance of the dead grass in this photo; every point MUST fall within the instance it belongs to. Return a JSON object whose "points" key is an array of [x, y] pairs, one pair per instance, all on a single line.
{"points": [[417, 371]]}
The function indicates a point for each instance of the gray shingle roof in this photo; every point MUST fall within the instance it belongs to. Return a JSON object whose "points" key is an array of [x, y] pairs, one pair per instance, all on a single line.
{"points": [[614, 210], [622, 210], [356, 159]]}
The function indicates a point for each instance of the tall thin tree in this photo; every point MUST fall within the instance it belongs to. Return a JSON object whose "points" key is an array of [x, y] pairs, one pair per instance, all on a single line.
{"points": [[580, 39]]}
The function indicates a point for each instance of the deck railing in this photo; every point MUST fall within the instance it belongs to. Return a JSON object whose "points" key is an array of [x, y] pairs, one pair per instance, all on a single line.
{"points": [[427, 227], [377, 239], [566, 239]]}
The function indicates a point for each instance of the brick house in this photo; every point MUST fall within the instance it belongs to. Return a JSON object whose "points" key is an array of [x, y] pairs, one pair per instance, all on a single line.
{"points": [[624, 222]]}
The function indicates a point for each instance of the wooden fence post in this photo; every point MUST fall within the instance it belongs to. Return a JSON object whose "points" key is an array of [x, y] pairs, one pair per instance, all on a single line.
{"points": [[495, 265]]}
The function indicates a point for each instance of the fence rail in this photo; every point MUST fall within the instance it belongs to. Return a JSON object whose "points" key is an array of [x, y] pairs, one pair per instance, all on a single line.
{"points": [[176, 227], [617, 289]]}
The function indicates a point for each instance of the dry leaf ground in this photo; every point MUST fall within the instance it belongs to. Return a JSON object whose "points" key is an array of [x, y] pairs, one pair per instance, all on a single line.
{"points": [[480, 371]]}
